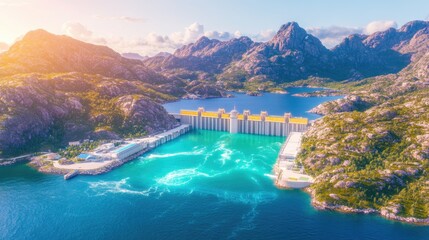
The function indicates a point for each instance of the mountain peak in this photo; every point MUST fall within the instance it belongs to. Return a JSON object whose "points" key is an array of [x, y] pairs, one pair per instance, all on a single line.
{"points": [[414, 26], [192, 48], [292, 37], [245, 39], [290, 26], [38, 34], [202, 39]]}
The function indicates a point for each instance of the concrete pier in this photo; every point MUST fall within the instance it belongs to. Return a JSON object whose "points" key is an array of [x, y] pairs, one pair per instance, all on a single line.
{"points": [[287, 173]]}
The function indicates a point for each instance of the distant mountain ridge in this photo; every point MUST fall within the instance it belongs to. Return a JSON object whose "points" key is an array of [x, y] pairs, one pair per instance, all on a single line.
{"points": [[293, 54], [135, 56]]}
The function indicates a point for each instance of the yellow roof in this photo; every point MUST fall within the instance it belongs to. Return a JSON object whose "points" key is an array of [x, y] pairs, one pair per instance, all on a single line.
{"points": [[276, 119], [254, 118], [210, 114], [188, 113], [225, 116], [298, 120]]}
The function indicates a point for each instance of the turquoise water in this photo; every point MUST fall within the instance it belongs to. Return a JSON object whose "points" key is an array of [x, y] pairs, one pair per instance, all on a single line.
{"points": [[203, 185], [275, 104]]}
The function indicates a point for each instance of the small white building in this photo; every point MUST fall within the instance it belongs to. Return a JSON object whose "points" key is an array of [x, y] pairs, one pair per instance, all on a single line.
{"points": [[127, 150], [75, 143]]}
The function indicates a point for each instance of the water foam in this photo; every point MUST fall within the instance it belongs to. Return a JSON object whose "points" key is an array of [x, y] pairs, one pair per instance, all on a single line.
{"points": [[195, 152], [180, 177], [104, 187]]}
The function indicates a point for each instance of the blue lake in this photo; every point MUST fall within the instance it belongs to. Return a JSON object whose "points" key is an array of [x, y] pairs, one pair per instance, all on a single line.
{"points": [[204, 185], [275, 104]]}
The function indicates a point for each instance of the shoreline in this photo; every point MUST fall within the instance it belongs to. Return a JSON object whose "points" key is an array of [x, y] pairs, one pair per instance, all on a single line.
{"points": [[16, 160], [97, 168], [384, 212], [113, 164]]}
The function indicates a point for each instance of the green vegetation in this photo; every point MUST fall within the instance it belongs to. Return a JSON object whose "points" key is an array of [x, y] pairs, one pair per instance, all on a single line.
{"points": [[373, 159], [73, 151]]}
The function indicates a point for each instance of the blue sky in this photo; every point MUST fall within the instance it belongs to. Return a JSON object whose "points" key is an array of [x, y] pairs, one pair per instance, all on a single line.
{"points": [[149, 26]]}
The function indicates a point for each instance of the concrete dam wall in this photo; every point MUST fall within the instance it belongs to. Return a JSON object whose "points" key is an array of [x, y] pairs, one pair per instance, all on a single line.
{"points": [[235, 122]]}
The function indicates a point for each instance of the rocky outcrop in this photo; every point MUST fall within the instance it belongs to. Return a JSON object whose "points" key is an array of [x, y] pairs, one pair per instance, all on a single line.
{"points": [[142, 112], [52, 109], [346, 104], [373, 161], [202, 89]]}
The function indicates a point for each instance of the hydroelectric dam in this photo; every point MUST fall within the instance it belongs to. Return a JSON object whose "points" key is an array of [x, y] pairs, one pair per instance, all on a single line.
{"points": [[247, 123]]}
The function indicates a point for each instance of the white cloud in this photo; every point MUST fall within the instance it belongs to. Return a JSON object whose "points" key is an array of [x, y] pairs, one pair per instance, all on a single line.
{"points": [[264, 35], [218, 35], [3, 47], [190, 34], [331, 36], [121, 18], [153, 43], [378, 26], [78, 31]]}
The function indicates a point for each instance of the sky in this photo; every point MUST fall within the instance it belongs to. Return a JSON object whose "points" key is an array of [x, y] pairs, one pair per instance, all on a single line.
{"points": [[151, 26]]}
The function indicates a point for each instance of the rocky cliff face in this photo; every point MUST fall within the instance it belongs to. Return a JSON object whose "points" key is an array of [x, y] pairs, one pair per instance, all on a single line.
{"points": [[38, 110]]}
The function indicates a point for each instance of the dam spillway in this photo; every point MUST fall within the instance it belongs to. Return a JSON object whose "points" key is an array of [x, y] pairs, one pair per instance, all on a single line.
{"points": [[235, 122]]}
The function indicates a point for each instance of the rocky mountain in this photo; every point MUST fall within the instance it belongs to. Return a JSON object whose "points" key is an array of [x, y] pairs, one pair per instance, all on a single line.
{"points": [[48, 110], [360, 60], [293, 54], [43, 52], [201, 59], [403, 39]]}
